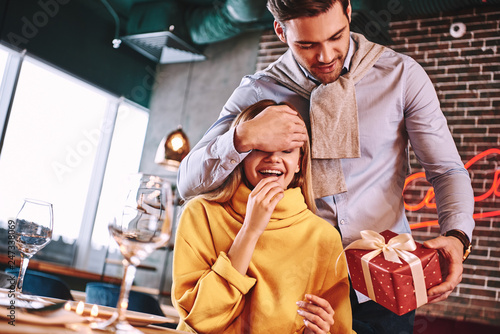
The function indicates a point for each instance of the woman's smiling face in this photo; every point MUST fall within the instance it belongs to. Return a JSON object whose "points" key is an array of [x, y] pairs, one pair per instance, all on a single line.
{"points": [[259, 165]]}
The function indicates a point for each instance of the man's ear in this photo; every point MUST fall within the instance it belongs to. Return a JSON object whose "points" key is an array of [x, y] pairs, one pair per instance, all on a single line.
{"points": [[278, 28], [349, 12]]}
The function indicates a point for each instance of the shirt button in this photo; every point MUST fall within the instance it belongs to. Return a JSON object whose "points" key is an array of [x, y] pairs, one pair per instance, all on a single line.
{"points": [[233, 161], [342, 222]]}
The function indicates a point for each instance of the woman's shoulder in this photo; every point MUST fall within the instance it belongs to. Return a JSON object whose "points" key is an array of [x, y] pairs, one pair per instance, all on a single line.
{"points": [[321, 226], [196, 210], [199, 202], [323, 236]]}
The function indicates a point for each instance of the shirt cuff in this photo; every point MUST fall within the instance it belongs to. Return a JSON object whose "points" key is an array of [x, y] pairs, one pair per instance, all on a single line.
{"points": [[225, 269], [461, 221], [361, 297], [226, 151]]}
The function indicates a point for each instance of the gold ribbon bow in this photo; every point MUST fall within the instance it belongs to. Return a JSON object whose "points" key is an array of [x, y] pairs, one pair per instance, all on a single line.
{"points": [[398, 247]]}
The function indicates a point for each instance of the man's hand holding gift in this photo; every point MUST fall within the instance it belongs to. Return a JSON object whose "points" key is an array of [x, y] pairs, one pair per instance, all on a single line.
{"points": [[451, 258], [393, 270]]}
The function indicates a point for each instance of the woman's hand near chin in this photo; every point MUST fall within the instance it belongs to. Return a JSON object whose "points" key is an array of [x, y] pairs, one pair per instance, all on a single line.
{"points": [[261, 204]]}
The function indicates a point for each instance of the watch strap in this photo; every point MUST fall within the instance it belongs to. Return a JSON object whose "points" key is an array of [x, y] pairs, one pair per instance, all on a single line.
{"points": [[464, 239]]}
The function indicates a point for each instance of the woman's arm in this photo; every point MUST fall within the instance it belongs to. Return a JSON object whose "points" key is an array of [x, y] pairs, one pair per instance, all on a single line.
{"points": [[261, 204], [207, 291]]}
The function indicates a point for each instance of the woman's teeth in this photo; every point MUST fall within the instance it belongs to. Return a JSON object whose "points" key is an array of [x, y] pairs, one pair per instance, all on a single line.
{"points": [[271, 172]]}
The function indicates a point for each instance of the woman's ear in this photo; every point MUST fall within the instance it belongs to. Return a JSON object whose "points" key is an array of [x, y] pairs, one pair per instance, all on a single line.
{"points": [[299, 163]]}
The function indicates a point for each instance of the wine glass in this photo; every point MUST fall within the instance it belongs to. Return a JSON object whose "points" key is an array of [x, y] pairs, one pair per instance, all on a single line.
{"points": [[140, 228], [32, 232]]}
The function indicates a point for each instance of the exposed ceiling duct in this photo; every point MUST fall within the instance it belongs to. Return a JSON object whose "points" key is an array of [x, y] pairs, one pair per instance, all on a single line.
{"points": [[189, 25], [163, 47], [220, 21]]}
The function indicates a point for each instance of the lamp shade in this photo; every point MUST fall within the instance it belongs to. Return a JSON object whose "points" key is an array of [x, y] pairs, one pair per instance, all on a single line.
{"points": [[172, 149]]}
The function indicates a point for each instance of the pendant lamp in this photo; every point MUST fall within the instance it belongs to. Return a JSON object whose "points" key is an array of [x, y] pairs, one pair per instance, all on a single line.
{"points": [[172, 149], [175, 146]]}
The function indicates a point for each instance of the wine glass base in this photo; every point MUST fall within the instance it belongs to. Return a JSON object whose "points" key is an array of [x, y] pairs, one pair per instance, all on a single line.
{"points": [[29, 301], [113, 325]]}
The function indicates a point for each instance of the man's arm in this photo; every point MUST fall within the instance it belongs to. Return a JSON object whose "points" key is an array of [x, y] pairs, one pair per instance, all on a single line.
{"points": [[214, 157], [436, 151], [209, 163]]}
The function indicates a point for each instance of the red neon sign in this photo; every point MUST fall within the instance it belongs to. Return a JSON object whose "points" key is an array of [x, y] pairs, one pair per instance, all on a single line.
{"points": [[428, 200]]}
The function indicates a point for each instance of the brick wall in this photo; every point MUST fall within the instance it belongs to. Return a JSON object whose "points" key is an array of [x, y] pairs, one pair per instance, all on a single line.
{"points": [[466, 75]]}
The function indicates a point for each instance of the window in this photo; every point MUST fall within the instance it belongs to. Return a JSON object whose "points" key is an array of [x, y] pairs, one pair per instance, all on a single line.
{"points": [[3, 61], [50, 145], [64, 139], [128, 139]]}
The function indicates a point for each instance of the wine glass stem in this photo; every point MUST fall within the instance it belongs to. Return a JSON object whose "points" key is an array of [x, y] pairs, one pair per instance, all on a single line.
{"points": [[22, 271], [128, 279]]}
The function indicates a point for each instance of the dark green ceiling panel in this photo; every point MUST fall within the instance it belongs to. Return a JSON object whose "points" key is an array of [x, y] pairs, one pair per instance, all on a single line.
{"points": [[76, 35]]}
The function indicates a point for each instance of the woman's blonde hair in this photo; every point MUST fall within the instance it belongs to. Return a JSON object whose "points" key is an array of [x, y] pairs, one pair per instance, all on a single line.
{"points": [[301, 179]]}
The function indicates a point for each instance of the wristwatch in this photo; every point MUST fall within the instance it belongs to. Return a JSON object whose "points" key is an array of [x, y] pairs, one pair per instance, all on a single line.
{"points": [[464, 239]]}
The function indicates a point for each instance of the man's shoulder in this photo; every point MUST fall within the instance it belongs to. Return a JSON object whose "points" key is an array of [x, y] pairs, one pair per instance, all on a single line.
{"points": [[392, 60], [256, 82], [395, 56], [264, 86], [388, 54], [258, 77], [261, 75]]}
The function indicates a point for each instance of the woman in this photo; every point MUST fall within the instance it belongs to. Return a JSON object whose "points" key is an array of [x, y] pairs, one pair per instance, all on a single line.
{"points": [[252, 257]]}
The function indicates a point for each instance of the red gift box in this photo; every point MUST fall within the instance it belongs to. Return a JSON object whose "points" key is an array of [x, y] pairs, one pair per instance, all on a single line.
{"points": [[399, 287]]}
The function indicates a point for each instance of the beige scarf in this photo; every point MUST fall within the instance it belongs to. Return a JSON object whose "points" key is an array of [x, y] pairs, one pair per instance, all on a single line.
{"points": [[333, 112]]}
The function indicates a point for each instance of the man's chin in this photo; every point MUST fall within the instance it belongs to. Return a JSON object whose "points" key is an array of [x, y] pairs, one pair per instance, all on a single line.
{"points": [[326, 78]]}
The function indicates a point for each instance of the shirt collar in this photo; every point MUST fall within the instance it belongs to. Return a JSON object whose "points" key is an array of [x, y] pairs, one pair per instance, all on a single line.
{"points": [[345, 68]]}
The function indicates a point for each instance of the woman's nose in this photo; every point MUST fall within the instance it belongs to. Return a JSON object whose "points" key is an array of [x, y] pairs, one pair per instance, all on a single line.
{"points": [[273, 156]]}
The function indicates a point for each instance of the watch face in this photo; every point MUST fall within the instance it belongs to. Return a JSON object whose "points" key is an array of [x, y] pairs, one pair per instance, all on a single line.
{"points": [[467, 252]]}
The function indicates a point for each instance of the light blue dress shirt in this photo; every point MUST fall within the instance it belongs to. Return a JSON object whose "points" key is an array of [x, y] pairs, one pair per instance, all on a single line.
{"points": [[397, 106]]}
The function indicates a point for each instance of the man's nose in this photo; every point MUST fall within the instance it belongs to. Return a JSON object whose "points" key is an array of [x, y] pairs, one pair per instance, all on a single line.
{"points": [[326, 54]]}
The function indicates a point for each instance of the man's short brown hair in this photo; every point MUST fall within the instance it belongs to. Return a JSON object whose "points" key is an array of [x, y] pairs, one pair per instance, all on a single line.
{"points": [[285, 10]]}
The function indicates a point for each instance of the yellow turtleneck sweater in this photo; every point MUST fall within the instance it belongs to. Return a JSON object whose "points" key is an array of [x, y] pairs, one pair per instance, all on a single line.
{"points": [[295, 255]]}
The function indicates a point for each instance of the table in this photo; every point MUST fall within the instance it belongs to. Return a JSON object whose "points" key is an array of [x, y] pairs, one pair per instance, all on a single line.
{"points": [[65, 320], [70, 275], [24, 328]]}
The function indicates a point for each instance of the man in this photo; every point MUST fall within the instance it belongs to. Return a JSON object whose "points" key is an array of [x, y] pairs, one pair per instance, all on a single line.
{"points": [[362, 103]]}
